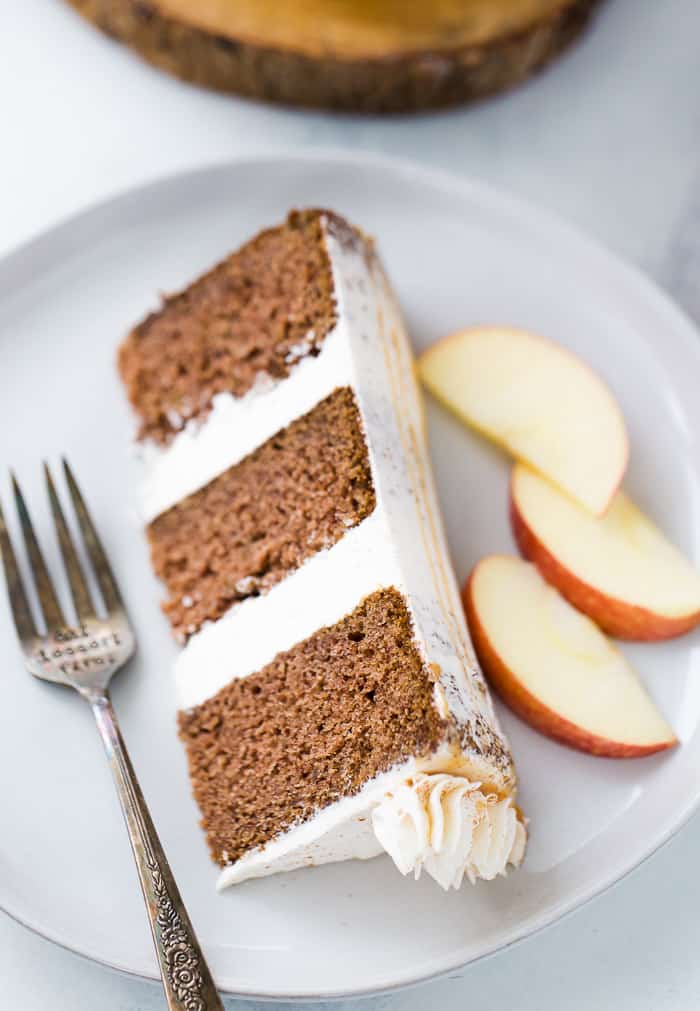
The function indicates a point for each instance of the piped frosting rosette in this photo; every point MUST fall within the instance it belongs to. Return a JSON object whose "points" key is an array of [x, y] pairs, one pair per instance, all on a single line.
{"points": [[449, 827]]}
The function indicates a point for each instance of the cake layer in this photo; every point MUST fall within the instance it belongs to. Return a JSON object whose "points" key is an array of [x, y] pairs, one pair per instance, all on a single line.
{"points": [[313, 726], [259, 311], [295, 495]]}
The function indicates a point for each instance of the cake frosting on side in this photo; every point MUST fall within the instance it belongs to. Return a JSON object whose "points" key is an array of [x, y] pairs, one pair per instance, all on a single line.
{"points": [[330, 700]]}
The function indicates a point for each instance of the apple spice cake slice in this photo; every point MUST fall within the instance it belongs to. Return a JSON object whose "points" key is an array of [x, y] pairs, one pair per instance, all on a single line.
{"points": [[329, 698]]}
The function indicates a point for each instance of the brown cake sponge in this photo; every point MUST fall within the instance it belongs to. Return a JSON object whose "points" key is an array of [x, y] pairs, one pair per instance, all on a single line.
{"points": [[243, 532], [311, 727], [258, 312]]}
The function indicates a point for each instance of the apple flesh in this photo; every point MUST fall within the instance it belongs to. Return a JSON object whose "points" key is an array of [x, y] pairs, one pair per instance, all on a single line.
{"points": [[537, 400], [554, 667], [618, 569]]}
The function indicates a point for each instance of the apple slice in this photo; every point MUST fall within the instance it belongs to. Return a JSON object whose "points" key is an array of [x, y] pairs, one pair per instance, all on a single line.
{"points": [[618, 569], [539, 401], [554, 667]]}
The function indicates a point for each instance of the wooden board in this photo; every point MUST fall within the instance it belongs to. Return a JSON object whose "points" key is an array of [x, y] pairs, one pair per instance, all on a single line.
{"points": [[359, 55]]}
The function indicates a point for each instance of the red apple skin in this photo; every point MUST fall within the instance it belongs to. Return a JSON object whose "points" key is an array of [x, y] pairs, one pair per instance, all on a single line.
{"points": [[615, 617], [530, 709]]}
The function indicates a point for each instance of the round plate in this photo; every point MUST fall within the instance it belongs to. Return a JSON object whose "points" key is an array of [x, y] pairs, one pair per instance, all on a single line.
{"points": [[459, 254]]}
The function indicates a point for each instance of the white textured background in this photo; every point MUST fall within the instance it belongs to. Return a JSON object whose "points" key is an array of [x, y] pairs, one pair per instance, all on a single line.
{"points": [[609, 138]]}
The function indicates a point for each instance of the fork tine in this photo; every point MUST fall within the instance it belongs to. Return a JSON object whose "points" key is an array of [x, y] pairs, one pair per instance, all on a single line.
{"points": [[44, 587], [24, 623], [74, 570], [103, 571]]}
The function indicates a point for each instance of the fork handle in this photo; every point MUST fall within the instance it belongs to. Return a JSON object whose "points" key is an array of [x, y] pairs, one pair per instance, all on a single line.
{"points": [[186, 978]]}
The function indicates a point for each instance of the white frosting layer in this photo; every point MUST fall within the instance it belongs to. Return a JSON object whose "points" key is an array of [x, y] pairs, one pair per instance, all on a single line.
{"points": [[321, 592], [436, 822]]}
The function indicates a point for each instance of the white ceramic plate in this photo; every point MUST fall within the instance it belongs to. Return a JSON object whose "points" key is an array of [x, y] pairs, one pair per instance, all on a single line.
{"points": [[459, 254]]}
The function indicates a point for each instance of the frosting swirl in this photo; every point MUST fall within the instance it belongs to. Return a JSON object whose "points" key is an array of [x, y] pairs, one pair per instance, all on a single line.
{"points": [[448, 826]]}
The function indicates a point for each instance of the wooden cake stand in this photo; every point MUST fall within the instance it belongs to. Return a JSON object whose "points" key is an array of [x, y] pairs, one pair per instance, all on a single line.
{"points": [[354, 55]]}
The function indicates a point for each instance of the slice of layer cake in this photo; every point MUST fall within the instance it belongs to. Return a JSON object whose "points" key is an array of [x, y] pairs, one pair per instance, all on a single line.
{"points": [[330, 701]]}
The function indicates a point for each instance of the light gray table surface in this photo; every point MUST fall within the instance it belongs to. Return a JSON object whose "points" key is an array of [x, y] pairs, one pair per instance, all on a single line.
{"points": [[610, 139]]}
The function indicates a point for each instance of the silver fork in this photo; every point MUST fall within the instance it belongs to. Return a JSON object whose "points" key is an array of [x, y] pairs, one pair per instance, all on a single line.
{"points": [[85, 655]]}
